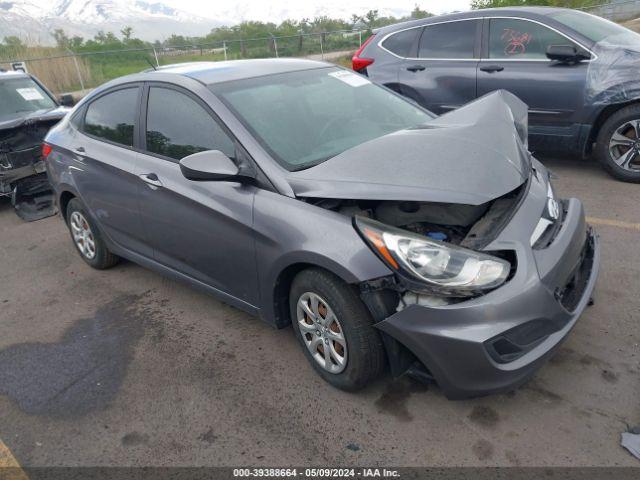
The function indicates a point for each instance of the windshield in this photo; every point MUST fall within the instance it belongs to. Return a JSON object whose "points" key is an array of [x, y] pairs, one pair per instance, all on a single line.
{"points": [[597, 29], [20, 96], [304, 118]]}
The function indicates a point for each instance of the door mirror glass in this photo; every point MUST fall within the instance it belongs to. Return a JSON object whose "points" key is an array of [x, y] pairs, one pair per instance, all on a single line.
{"points": [[211, 165], [564, 53]]}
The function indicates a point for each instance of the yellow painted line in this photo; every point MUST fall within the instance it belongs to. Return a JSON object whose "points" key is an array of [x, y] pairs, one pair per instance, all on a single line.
{"points": [[9, 467], [613, 223]]}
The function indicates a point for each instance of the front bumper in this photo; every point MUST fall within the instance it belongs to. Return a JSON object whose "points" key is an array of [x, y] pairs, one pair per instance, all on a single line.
{"points": [[15, 166], [496, 342]]}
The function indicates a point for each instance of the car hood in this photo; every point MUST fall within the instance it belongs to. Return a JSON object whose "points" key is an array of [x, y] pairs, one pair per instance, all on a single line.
{"points": [[34, 117], [472, 155]]}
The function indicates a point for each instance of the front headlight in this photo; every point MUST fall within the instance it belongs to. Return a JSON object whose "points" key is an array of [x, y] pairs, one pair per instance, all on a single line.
{"points": [[443, 267]]}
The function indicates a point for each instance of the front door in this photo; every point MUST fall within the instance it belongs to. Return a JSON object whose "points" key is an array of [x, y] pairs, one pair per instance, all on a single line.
{"points": [[200, 229], [515, 59], [442, 76]]}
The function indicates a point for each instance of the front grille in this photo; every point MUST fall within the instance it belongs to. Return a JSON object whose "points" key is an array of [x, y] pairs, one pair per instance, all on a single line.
{"points": [[572, 292]]}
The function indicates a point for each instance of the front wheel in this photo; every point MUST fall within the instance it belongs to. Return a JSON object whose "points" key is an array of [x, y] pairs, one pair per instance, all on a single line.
{"points": [[335, 330], [618, 144]]}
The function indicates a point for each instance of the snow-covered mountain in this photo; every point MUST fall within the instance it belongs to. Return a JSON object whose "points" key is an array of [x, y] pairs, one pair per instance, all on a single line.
{"points": [[150, 20]]}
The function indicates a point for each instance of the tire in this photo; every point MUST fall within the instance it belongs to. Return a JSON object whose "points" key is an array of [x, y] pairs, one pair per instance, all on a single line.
{"points": [[363, 352], [99, 256], [621, 120]]}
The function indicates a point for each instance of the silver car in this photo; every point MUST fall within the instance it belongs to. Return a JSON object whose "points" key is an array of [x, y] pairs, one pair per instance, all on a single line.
{"points": [[303, 193]]}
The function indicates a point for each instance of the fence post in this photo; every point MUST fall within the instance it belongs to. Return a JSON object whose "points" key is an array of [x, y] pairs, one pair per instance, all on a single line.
{"points": [[360, 35], [275, 46], [224, 47], [75, 61], [321, 47], [155, 54]]}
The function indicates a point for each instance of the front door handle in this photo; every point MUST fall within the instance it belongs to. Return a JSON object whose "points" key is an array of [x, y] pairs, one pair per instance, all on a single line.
{"points": [[151, 179], [80, 150], [416, 68], [492, 68]]}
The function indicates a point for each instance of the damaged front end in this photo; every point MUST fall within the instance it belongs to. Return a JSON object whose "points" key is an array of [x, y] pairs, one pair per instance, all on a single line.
{"points": [[22, 170], [475, 297]]}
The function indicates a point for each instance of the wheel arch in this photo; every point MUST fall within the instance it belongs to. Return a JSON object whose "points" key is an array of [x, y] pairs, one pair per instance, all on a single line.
{"points": [[63, 202], [601, 119], [279, 301]]}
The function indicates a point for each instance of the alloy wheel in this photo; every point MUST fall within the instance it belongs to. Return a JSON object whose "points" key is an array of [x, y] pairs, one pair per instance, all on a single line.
{"points": [[322, 332], [624, 146], [82, 235]]}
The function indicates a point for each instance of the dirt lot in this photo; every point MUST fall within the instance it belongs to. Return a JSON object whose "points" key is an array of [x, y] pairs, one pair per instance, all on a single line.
{"points": [[125, 367]]}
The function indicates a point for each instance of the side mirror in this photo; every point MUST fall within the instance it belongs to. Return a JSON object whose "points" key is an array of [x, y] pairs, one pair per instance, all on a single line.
{"points": [[565, 53], [66, 100], [209, 166]]}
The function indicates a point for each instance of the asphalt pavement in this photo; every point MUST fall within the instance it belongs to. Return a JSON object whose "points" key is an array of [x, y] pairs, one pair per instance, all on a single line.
{"points": [[125, 367]]}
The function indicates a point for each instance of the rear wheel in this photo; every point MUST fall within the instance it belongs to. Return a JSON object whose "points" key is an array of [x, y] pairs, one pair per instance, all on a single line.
{"points": [[335, 330], [618, 144], [87, 239]]}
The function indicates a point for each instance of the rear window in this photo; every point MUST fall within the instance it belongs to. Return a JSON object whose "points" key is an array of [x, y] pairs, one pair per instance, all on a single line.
{"points": [[112, 117], [400, 43], [449, 40]]}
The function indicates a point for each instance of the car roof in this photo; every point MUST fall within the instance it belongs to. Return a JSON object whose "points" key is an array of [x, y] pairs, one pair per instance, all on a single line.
{"points": [[218, 72], [527, 12]]}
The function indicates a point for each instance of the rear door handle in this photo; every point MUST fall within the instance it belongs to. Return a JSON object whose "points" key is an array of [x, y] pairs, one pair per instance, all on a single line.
{"points": [[80, 150], [151, 179], [492, 68], [416, 68]]}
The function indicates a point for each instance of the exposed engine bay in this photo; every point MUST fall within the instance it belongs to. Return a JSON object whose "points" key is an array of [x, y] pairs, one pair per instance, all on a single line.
{"points": [[471, 226]]}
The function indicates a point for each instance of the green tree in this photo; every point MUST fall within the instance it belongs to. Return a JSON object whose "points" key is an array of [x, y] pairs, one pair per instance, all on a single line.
{"points": [[126, 34], [13, 42], [417, 12]]}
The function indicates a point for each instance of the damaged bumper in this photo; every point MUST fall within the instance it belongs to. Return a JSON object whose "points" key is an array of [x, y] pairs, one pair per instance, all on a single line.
{"points": [[496, 342], [15, 166]]}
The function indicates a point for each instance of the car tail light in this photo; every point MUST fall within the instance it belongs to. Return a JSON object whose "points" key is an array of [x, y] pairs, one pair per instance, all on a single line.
{"points": [[359, 63], [46, 150]]}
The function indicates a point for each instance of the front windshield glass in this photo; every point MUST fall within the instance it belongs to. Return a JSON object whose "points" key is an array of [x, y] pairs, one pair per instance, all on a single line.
{"points": [[597, 29], [304, 118], [21, 96]]}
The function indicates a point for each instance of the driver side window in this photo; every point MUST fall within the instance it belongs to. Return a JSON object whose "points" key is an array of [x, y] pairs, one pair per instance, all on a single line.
{"points": [[178, 126], [513, 38]]}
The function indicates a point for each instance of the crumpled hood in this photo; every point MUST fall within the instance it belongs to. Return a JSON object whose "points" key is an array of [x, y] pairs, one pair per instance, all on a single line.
{"points": [[472, 155], [34, 117]]}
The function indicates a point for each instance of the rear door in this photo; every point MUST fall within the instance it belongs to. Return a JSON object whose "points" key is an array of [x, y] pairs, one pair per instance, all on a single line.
{"points": [[514, 59], [200, 229], [105, 163], [442, 74]]}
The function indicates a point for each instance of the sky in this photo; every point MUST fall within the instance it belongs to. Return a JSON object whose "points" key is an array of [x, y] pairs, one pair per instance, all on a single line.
{"points": [[278, 10]]}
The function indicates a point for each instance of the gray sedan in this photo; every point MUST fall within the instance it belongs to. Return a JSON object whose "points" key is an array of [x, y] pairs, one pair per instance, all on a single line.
{"points": [[307, 195]]}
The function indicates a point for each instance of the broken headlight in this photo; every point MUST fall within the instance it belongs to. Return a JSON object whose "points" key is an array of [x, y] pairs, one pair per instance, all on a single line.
{"points": [[443, 267]]}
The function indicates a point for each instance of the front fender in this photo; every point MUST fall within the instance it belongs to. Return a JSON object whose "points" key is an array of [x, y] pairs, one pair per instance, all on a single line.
{"points": [[290, 232]]}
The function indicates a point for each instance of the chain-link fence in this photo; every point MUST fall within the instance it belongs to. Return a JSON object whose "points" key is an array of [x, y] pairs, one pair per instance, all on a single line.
{"points": [[66, 71]]}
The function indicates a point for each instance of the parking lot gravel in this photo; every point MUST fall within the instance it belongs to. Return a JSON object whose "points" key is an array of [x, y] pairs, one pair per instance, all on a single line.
{"points": [[125, 367]]}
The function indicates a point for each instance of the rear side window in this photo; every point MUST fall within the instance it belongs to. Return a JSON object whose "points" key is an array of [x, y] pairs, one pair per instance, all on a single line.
{"points": [[520, 39], [448, 40], [178, 126], [400, 43], [112, 116]]}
